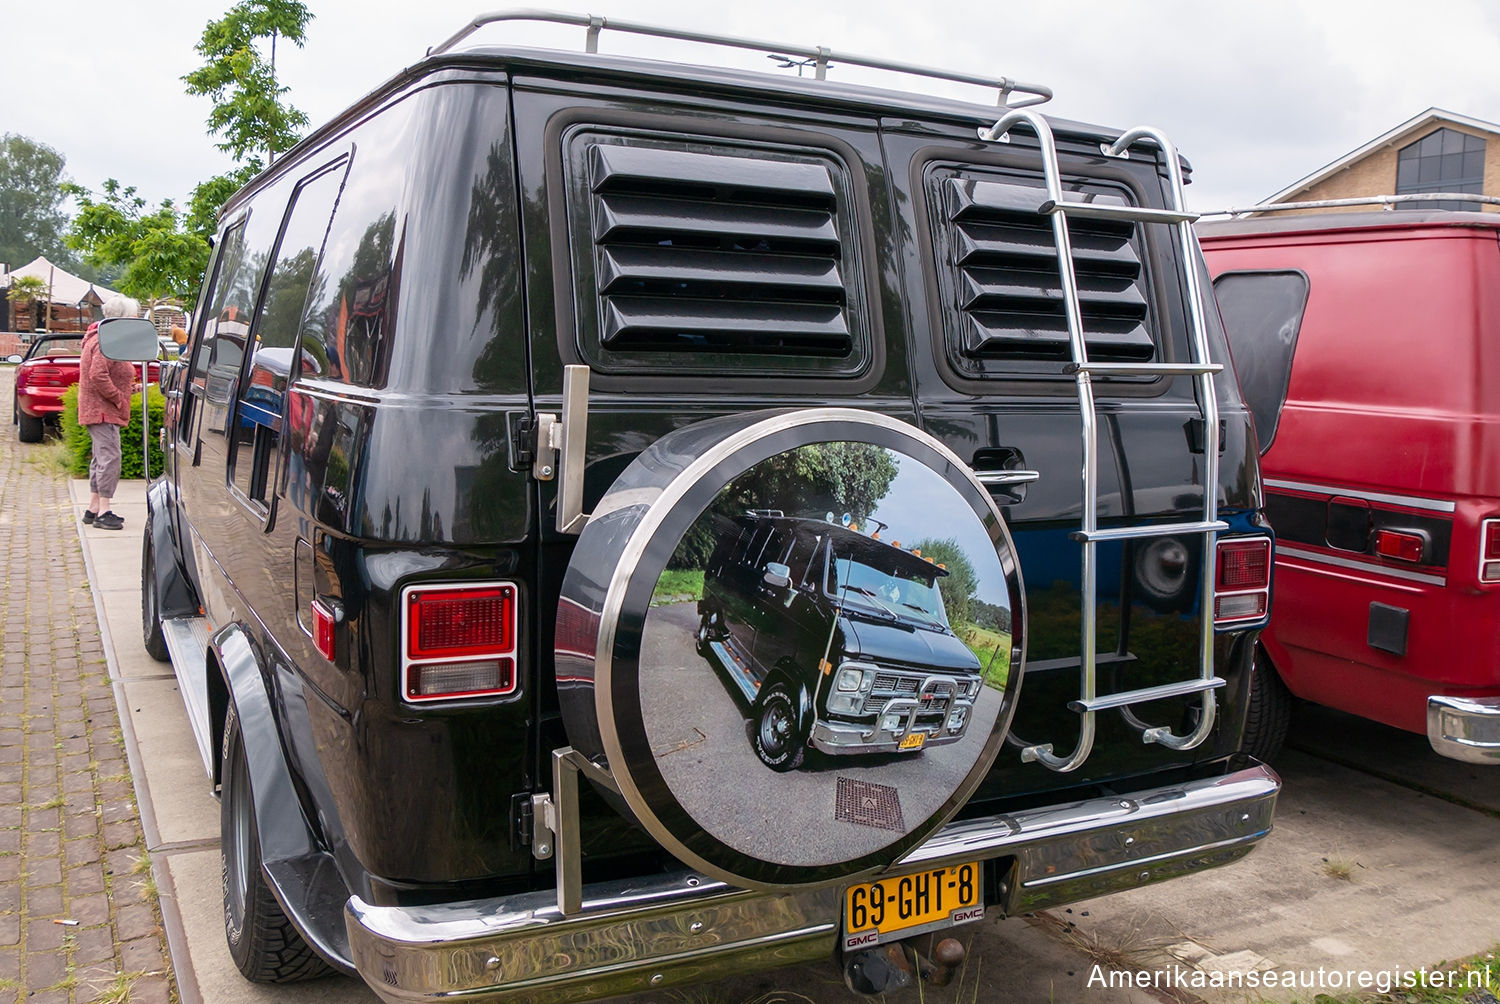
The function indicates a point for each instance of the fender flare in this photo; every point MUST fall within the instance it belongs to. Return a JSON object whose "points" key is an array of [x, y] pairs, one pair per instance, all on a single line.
{"points": [[302, 874], [175, 596]]}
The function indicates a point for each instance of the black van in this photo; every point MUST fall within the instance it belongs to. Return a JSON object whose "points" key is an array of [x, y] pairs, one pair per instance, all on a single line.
{"points": [[478, 372], [812, 612]]}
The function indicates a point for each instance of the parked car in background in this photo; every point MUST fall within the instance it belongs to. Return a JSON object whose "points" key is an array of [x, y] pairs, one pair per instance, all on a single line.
{"points": [[48, 368], [46, 371], [1368, 348]]}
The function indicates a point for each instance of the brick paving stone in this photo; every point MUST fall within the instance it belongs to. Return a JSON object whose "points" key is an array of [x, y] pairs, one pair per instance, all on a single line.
{"points": [[59, 739]]}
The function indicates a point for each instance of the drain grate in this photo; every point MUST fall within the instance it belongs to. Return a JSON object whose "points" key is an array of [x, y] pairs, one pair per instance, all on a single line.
{"points": [[866, 804]]}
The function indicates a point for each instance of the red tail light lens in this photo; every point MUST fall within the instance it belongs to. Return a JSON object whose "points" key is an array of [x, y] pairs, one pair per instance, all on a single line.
{"points": [[1399, 545], [1242, 580], [1489, 551], [323, 621], [459, 641], [1244, 564]]}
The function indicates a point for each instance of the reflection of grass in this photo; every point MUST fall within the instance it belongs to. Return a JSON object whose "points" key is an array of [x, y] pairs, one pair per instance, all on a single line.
{"points": [[991, 648], [678, 585]]}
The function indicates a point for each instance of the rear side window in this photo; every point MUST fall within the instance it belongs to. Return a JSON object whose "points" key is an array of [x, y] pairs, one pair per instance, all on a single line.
{"points": [[1262, 314], [698, 256], [263, 396]]}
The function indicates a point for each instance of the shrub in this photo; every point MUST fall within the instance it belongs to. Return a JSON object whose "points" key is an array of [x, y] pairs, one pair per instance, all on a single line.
{"points": [[80, 449]]}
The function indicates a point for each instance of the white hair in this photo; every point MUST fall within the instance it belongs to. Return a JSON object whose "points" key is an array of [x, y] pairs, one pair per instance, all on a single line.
{"points": [[122, 306]]}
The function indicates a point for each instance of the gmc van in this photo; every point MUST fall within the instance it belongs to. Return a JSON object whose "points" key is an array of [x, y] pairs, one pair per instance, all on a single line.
{"points": [[1367, 345], [489, 369]]}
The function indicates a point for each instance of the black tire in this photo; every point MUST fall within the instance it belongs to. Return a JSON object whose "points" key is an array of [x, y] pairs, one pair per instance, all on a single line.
{"points": [[778, 740], [710, 628], [1270, 713], [30, 428], [262, 941], [151, 634]]}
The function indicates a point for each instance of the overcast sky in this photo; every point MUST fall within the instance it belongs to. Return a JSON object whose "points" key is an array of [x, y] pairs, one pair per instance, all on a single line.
{"points": [[1256, 95]]}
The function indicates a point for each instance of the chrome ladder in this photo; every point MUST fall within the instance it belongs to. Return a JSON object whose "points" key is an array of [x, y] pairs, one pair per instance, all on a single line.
{"points": [[1060, 209]]}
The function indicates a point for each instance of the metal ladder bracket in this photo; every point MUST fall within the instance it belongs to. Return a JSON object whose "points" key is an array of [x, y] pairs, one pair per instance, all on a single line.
{"points": [[555, 827], [560, 446]]}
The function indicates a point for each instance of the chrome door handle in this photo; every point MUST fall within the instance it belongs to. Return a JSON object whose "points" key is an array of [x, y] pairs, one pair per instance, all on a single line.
{"points": [[1000, 478]]}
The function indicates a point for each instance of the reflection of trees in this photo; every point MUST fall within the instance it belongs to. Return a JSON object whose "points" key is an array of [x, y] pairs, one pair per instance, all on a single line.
{"points": [[489, 239], [361, 301], [960, 584], [810, 480], [285, 299]]}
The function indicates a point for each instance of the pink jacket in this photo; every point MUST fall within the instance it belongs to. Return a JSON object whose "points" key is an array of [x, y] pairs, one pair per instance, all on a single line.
{"points": [[103, 385]]}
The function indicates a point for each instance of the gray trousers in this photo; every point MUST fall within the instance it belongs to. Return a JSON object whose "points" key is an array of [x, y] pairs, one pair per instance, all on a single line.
{"points": [[104, 468]]}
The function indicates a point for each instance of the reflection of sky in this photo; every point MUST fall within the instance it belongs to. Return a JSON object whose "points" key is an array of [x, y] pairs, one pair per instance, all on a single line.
{"points": [[920, 505]]}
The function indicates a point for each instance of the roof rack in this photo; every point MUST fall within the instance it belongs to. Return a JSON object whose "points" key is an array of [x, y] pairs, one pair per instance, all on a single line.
{"points": [[1387, 201], [822, 56]]}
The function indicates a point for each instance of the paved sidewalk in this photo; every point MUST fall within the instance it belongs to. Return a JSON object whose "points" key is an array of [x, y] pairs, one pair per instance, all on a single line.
{"points": [[71, 840]]}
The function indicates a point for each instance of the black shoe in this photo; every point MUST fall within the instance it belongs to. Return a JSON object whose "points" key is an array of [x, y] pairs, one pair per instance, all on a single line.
{"points": [[89, 517], [109, 521]]}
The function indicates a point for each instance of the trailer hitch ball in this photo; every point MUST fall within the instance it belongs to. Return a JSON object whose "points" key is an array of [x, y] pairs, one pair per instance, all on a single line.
{"points": [[946, 957]]}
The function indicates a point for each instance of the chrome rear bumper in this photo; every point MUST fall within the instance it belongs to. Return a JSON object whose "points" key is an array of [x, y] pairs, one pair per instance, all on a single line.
{"points": [[1465, 728], [644, 934]]}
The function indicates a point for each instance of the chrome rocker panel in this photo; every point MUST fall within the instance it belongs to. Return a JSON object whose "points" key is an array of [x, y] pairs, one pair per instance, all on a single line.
{"points": [[1465, 728], [654, 932]]}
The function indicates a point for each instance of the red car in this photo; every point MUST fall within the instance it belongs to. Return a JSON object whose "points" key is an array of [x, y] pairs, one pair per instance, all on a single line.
{"points": [[48, 369], [1366, 345]]}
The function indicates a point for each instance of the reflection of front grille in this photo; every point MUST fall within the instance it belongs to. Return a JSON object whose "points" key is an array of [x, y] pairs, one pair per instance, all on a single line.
{"points": [[888, 685], [934, 703]]}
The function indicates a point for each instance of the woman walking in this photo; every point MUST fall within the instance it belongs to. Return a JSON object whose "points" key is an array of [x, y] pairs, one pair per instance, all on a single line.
{"points": [[104, 388]]}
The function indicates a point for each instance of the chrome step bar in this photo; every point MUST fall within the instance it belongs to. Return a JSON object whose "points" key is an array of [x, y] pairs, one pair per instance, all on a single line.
{"points": [[187, 643], [1200, 367]]}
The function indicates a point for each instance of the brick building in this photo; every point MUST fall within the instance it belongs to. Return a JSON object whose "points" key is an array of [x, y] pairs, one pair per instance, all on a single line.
{"points": [[1436, 151]]}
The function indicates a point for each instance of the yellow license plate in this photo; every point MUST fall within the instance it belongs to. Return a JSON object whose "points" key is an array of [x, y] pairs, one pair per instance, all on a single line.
{"points": [[913, 741], [912, 904]]}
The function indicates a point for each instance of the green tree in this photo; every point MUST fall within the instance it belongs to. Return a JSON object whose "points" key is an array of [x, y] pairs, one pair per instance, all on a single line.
{"points": [[961, 583], [249, 115], [31, 192], [160, 258], [24, 291]]}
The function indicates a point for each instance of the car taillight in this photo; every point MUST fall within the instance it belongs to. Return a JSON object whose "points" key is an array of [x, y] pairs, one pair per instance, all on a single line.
{"points": [[1489, 551], [1242, 579], [458, 641]]}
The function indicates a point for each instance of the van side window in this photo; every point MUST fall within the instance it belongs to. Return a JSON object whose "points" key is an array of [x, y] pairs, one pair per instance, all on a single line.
{"points": [[350, 301], [1262, 314], [226, 254], [223, 350], [262, 402], [800, 558]]}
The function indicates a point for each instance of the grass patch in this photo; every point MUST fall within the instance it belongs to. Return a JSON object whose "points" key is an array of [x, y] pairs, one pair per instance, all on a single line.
{"points": [[1339, 868], [118, 992], [1462, 982], [678, 585], [51, 803], [991, 648], [51, 455]]}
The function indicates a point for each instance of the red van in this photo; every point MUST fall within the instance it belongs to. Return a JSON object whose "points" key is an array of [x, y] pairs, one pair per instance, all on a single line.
{"points": [[1368, 348]]}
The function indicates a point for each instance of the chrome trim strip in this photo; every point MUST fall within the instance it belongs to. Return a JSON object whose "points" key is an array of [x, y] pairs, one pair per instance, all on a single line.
{"points": [[1410, 501], [1465, 728], [652, 932], [1358, 565]]}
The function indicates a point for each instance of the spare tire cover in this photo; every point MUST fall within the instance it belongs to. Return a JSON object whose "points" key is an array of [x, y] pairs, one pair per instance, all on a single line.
{"points": [[794, 639]]}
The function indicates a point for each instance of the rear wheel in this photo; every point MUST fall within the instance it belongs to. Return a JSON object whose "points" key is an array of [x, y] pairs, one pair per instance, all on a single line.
{"points": [[1270, 713], [264, 944], [779, 742], [151, 633], [30, 427]]}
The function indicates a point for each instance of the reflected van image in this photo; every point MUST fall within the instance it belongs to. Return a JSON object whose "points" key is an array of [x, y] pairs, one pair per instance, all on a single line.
{"points": [[836, 640]]}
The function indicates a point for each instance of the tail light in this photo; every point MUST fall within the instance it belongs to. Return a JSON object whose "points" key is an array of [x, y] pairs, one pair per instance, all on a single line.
{"points": [[1242, 579], [1401, 545], [458, 641], [1489, 551]]}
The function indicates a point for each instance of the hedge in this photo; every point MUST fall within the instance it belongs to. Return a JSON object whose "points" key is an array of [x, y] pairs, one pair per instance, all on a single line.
{"points": [[80, 448]]}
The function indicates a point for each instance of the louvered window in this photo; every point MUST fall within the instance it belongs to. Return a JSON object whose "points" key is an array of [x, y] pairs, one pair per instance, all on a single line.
{"points": [[1003, 302], [692, 258]]}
